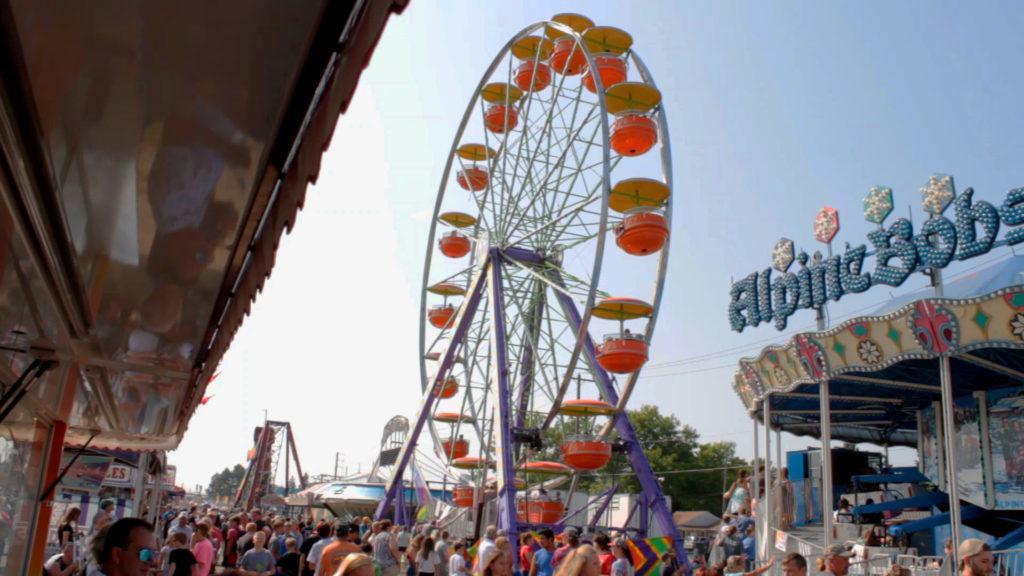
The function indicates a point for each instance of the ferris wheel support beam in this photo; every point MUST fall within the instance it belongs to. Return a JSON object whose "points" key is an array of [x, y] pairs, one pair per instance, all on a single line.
{"points": [[652, 498], [534, 322], [463, 320], [502, 392]]}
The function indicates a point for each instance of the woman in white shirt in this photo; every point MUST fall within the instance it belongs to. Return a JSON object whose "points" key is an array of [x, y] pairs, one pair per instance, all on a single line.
{"points": [[426, 558]]}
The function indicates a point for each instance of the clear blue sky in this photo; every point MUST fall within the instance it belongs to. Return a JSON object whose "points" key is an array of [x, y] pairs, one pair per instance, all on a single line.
{"points": [[774, 108]]}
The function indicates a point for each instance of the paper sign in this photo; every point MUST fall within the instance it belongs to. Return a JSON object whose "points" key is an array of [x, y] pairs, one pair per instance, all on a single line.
{"points": [[781, 540]]}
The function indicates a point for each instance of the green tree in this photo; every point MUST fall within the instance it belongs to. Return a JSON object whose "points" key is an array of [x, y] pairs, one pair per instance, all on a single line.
{"points": [[225, 482]]}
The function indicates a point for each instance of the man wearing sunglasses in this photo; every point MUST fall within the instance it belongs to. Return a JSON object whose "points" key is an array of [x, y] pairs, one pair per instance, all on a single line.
{"points": [[129, 549]]}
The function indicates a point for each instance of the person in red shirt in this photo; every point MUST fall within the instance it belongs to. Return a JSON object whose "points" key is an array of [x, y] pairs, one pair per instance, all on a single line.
{"points": [[525, 552], [231, 542], [604, 553]]}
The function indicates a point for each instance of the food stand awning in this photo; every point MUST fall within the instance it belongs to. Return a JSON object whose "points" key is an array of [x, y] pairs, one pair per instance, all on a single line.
{"points": [[154, 154]]}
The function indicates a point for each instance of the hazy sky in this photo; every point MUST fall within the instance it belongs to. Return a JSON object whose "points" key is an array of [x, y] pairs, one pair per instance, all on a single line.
{"points": [[774, 109]]}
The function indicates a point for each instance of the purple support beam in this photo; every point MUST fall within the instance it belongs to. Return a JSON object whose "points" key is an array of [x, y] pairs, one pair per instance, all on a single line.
{"points": [[526, 372], [645, 512], [462, 322], [399, 516], [652, 494], [522, 255], [506, 473]]}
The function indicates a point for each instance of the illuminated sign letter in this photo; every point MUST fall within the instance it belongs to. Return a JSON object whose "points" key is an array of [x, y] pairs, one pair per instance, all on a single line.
{"points": [[967, 215], [849, 272], [744, 299], [1012, 213], [889, 244]]}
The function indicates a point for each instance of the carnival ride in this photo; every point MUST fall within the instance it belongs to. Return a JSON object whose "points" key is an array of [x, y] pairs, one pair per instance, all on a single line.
{"points": [[391, 440], [357, 495], [940, 369], [273, 442], [558, 149]]}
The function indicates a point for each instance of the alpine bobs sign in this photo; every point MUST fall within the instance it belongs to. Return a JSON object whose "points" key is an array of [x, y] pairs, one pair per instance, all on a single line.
{"points": [[898, 252]]}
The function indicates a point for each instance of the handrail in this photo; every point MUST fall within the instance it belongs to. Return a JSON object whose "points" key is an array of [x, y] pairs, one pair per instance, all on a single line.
{"points": [[624, 336]]}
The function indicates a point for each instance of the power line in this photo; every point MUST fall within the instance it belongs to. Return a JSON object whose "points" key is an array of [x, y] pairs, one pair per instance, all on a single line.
{"points": [[673, 472], [693, 371]]}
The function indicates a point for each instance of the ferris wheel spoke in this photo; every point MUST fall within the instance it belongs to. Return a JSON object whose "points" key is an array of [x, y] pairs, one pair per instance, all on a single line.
{"points": [[546, 131], [524, 138], [581, 239], [539, 192], [594, 192], [532, 135], [545, 182], [507, 186], [467, 271], [529, 342], [542, 278], [571, 136], [569, 280], [566, 212]]}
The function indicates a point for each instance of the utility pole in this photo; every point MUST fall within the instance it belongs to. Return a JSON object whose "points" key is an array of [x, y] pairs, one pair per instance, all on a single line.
{"points": [[336, 456]]}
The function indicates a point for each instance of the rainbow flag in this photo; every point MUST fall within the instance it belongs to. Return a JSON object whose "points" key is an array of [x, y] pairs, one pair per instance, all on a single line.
{"points": [[646, 554], [423, 497]]}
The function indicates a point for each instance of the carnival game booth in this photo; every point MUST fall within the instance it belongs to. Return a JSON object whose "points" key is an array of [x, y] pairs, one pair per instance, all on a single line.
{"points": [[154, 154], [940, 370]]}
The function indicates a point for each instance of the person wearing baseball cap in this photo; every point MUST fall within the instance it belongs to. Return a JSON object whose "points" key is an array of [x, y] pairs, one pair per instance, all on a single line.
{"points": [[835, 560], [975, 558]]}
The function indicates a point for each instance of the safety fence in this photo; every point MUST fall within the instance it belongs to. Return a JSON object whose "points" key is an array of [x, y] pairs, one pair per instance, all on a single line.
{"points": [[1009, 562]]}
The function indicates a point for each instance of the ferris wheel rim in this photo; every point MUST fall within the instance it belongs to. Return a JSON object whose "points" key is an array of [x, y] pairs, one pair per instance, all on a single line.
{"points": [[665, 150], [579, 336]]}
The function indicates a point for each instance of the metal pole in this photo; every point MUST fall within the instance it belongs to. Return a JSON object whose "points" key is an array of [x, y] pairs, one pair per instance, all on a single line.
{"points": [[778, 454], [779, 495], [769, 494], [140, 485], [753, 485], [949, 436], [826, 460], [506, 471]]}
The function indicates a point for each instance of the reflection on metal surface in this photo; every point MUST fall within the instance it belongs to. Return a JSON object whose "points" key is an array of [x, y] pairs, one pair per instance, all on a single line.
{"points": [[156, 154], [156, 131]]}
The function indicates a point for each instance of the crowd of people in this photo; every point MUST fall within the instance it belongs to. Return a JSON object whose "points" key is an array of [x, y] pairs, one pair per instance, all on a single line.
{"points": [[200, 541]]}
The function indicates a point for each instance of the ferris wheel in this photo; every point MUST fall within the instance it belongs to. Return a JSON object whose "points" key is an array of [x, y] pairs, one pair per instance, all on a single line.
{"points": [[563, 146]]}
